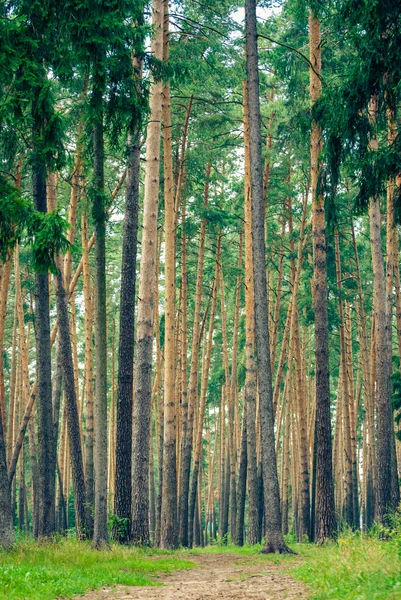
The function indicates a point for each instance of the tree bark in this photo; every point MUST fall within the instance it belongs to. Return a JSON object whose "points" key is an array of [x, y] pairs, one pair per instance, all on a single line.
{"points": [[123, 497], [250, 376], [46, 464], [143, 377], [100, 531], [274, 537], [325, 511], [188, 423], [74, 433]]}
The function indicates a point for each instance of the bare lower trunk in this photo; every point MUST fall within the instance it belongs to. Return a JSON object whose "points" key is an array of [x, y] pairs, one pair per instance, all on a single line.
{"points": [[122, 500]]}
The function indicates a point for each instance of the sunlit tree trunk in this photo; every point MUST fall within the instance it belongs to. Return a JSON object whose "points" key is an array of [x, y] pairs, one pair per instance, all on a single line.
{"points": [[143, 376], [250, 377]]}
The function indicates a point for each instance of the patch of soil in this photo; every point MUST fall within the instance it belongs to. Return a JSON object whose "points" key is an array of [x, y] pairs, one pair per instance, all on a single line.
{"points": [[222, 577]]}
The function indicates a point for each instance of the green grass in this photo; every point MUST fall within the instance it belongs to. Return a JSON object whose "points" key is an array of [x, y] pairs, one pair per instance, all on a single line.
{"points": [[356, 568], [66, 568]]}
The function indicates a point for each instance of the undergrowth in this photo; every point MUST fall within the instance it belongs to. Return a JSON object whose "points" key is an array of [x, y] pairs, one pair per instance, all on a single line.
{"points": [[67, 568]]}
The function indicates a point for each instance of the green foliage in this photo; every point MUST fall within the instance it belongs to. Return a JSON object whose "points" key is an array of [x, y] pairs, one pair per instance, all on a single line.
{"points": [[45, 232], [13, 213]]}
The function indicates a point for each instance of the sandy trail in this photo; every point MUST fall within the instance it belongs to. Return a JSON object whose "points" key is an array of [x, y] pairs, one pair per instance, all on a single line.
{"points": [[223, 577]]}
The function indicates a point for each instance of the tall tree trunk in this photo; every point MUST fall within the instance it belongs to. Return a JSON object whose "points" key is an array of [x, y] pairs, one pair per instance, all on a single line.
{"points": [[188, 423], [274, 537], [250, 377], [100, 531], [348, 508], [391, 238], [4, 286], [382, 354], [169, 525], [74, 433], [143, 378], [46, 464], [241, 488], [202, 406], [325, 511], [123, 497], [231, 491], [6, 513], [89, 379]]}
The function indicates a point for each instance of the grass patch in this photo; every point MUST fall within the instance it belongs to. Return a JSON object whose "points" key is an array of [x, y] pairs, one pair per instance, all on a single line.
{"points": [[357, 567], [67, 568]]}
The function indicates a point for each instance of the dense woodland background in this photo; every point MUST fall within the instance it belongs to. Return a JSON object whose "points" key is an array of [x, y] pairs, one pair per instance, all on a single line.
{"points": [[143, 201]]}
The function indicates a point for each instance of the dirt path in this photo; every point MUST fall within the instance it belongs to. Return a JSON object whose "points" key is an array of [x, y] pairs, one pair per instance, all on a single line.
{"points": [[222, 577]]}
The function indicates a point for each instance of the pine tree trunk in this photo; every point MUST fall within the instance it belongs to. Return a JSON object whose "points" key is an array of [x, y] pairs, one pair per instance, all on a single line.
{"points": [[6, 514], [383, 398], [74, 433], [188, 423], [122, 499], [89, 379], [143, 376], [100, 531], [241, 486], [250, 377], [231, 491], [169, 525], [390, 263], [4, 286], [348, 509], [46, 464], [325, 512], [274, 536], [205, 376]]}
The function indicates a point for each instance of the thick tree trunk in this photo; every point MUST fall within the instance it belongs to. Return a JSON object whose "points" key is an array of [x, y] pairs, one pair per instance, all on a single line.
{"points": [[100, 531], [46, 464], [274, 537], [143, 376], [325, 511], [122, 499], [383, 398], [241, 485]]}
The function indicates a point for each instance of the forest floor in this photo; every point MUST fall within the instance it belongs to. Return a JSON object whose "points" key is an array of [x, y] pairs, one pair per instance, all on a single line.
{"points": [[357, 567], [216, 576]]}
